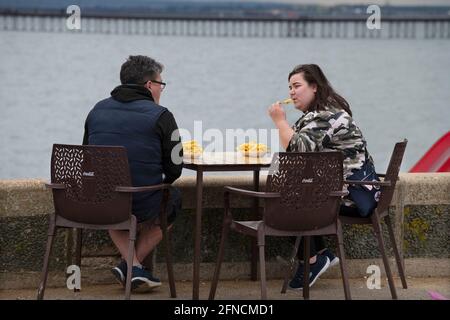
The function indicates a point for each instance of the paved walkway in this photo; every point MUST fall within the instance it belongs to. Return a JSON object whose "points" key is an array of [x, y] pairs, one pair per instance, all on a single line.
{"points": [[242, 290]]}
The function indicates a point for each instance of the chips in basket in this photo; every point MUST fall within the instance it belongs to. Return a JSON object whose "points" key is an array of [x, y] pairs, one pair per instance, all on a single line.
{"points": [[253, 149], [191, 149]]}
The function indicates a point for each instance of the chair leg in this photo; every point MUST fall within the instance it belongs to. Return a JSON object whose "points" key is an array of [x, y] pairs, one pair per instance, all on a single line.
{"points": [[262, 266], [398, 259], [343, 262], [306, 254], [79, 242], [132, 239], [167, 243], [377, 229], [48, 250], [78, 247], [167, 237], [215, 280], [291, 264]]}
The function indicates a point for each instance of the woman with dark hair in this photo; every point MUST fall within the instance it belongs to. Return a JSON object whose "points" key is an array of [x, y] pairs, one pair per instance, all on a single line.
{"points": [[326, 125]]}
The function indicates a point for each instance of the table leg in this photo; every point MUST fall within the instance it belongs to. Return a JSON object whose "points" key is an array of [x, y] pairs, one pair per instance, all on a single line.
{"points": [[254, 247], [197, 236]]}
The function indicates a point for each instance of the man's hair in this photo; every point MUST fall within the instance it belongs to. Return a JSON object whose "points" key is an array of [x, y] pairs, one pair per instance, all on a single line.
{"points": [[139, 69]]}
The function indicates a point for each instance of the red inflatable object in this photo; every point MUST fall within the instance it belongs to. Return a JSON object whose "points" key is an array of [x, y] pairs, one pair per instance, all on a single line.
{"points": [[437, 159]]}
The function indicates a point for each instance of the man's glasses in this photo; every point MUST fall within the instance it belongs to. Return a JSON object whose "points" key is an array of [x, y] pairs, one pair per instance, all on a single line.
{"points": [[163, 84]]}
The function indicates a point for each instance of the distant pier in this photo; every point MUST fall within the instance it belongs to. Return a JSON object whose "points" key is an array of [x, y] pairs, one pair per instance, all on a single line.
{"points": [[307, 27]]}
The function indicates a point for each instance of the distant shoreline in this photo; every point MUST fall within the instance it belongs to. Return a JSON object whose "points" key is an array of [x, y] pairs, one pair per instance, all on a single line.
{"points": [[230, 10]]}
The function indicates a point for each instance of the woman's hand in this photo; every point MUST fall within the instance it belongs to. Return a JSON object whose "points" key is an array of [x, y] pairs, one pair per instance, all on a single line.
{"points": [[277, 113]]}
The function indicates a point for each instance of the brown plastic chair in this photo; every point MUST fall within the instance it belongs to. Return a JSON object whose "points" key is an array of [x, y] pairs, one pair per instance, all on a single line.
{"points": [[387, 187], [92, 190], [302, 198]]}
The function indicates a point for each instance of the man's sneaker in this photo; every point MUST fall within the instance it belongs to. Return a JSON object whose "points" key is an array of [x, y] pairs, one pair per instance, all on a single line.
{"points": [[120, 272], [315, 270], [142, 280], [333, 259]]}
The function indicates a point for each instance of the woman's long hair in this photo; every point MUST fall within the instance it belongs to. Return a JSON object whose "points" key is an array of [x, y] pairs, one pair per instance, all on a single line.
{"points": [[325, 94]]}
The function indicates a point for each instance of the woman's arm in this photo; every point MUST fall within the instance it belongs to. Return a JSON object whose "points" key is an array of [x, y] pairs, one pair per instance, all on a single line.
{"points": [[286, 133], [278, 115]]}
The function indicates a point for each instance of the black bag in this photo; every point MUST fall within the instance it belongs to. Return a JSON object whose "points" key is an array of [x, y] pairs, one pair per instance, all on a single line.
{"points": [[364, 196]]}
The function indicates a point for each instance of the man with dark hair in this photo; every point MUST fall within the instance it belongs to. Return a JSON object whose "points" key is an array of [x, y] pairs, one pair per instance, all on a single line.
{"points": [[133, 118]]}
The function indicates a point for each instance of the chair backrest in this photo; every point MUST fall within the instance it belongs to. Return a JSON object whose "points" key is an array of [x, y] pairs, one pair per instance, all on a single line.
{"points": [[393, 169], [91, 175], [304, 181]]}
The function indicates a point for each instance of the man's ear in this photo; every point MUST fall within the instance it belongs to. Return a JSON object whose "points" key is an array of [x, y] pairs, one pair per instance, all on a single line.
{"points": [[148, 85]]}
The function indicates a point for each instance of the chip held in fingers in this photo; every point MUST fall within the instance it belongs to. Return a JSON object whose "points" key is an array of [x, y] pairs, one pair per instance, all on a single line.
{"points": [[286, 101]]}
